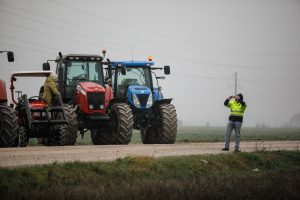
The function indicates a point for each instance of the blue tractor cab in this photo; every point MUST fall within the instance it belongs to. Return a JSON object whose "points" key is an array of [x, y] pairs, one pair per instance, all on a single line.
{"points": [[133, 82], [136, 83]]}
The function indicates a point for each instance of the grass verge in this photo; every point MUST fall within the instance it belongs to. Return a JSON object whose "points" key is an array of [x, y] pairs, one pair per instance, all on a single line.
{"points": [[260, 175]]}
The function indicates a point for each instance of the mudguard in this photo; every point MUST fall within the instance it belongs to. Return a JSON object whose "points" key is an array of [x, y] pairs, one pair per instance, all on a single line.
{"points": [[162, 101], [117, 100]]}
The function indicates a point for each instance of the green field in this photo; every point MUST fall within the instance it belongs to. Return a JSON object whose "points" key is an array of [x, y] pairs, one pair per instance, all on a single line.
{"points": [[260, 175], [212, 134], [217, 134]]}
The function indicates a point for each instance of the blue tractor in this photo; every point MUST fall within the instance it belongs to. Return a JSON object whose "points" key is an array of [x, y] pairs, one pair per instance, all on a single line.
{"points": [[136, 84]]}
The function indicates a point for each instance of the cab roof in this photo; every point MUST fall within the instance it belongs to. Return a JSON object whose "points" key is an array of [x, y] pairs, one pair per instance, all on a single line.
{"points": [[132, 63], [80, 57], [31, 73]]}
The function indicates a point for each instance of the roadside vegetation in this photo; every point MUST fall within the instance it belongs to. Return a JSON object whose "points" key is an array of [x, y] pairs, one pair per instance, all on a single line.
{"points": [[259, 175]]}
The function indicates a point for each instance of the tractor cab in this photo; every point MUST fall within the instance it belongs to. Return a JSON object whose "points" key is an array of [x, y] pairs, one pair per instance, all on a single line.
{"points": [[136, 84], [76, 69]]}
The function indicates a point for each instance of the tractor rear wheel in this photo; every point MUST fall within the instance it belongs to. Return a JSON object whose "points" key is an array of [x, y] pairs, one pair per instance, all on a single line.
{"points": [[122, 119], [71, 133], [22, 136], [100, 136], [166, 133], [8, 127]]}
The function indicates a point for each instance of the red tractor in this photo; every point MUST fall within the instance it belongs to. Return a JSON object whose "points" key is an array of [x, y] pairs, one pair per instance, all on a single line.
{"points": [[8, 120], [36, 119], [89, 102]]}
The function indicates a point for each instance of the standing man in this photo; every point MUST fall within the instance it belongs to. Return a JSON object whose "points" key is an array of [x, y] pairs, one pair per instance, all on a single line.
{"points": [[50, 89], [237, 107]]}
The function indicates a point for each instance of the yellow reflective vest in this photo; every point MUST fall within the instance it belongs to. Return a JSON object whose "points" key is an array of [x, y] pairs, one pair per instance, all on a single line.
{"points": [[237, 109]]}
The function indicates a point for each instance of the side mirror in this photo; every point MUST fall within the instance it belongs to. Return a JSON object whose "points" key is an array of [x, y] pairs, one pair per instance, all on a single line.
{"points": [[167, 69], [46, 67], [10, 56]]}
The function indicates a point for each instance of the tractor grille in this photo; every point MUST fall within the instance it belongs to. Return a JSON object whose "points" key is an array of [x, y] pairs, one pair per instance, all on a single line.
{"points": [[96, 100], [143, 98]]}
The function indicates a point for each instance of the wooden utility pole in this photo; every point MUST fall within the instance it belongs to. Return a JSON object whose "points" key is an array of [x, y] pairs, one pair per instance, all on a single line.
{"points": [[235, 84]]}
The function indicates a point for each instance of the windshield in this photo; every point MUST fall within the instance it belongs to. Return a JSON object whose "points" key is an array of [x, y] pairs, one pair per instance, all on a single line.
{"points": [[134, 76], [82, 71]]}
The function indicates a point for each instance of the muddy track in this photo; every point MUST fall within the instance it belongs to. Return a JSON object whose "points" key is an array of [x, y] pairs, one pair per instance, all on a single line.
{"points": [[34, 155]]}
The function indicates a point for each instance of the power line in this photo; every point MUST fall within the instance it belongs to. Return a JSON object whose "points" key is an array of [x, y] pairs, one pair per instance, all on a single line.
{"points": [[62, 28], [49, 34], [126, 37], [164, 54], [201, 77], [164, 35], [32, 43], [26, 48], [78, 25], [167, 55], [230, 79]]}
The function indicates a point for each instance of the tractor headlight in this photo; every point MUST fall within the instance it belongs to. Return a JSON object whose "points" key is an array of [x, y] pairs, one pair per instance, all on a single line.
{"points": [[150, 101], [91, 107], [135, 100]]}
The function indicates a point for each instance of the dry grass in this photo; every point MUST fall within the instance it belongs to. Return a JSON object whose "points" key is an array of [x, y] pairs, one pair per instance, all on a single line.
{"points": [[228, 176]]}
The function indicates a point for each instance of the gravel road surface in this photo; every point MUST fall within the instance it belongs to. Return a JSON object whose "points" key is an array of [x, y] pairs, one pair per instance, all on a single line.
{"points": [[35, 155]]}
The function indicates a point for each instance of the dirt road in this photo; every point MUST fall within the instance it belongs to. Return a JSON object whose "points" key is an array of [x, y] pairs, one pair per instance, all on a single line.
{"points": [[42, 155]]}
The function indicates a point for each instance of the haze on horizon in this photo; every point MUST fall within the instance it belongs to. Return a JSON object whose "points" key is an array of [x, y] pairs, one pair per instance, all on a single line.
{"points": [[204, 41]]}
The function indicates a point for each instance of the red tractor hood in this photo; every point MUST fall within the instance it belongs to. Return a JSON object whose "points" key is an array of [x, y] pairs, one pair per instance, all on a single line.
{"points": [[90, 87]]}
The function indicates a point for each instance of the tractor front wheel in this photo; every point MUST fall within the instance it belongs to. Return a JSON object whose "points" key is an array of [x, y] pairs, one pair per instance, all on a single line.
{"points": [[122, 120], [8, 127], [166, 133], [100, 136], [149, 136]]}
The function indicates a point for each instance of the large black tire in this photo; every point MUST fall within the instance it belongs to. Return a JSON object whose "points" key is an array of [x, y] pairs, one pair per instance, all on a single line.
{"points": [[166, 134], [100, 136], [122, 118], [22, 136], [149, 136], [60, 138], [71, 133], [8, 127]]}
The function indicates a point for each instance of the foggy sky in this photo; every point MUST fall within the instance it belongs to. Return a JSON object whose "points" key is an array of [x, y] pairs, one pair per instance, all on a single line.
{"points": [[204, 42]]}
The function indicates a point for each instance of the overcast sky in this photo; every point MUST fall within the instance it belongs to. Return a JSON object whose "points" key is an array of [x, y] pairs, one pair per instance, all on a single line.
{"points": [[204, 42]]}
